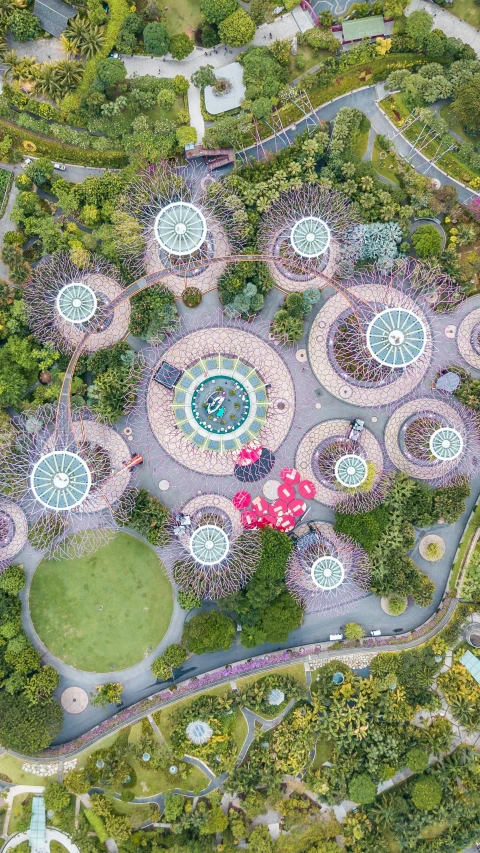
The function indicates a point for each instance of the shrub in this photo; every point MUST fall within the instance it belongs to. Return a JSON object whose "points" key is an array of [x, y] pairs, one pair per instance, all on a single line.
{"points": [[434, 552], [181, 46], [417, 760], [192, 297], [427, 793], [188, 600], [209, 632], [353, 631], [236, 30], [427, 241], [362, 789], [153, 313], [156, 39], [397, 604]]}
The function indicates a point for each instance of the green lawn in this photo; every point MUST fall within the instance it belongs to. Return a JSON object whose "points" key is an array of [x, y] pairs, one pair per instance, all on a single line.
{"points": [[466, 10], [361, 143], [323, 753], [104, 611], [12, 768], [183, 15], [295, 670], [20, 814], [471, 528], [382, 165], [454, 124], [137, 813]]}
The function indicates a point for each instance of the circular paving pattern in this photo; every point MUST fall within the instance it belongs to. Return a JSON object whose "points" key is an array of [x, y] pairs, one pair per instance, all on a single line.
{"points": [[60, 480], [334, 434], [327, 572], [468, 338], [396, 337], [13, 530], [76, 302], [424, 438], [209, 544], [230, 404], [310, 237], [180, 228], [396, 382], [212, 355], [74, 700]]}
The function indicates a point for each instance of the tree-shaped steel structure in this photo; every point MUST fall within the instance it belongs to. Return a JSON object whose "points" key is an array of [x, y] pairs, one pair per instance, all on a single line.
{"points": [[309, 233], [326, 572], [66, 478], [64, 302]]}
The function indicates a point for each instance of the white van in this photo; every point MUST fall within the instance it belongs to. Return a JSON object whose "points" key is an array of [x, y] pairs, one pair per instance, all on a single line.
{"points": [[334, 638]]}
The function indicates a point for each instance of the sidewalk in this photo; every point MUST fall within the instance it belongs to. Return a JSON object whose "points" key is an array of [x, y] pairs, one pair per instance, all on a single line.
{"points": [[448, 23]]}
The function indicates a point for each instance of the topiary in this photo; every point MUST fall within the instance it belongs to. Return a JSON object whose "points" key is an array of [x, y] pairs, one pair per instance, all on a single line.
{"points": [[191, 297], [397, 604], [427, 793]]}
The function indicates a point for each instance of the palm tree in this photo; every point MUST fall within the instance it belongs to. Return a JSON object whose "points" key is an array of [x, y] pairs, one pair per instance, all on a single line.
{"points": [[92, 42], [77, 28], [47, 83], [27, 69], [67, 73], [12, 61]]}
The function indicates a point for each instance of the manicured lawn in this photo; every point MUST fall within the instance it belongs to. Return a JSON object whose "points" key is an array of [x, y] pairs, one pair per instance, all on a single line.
{"points": [[361, 143], [382, 166], [183, 15], [20, 814], [137, 813], [101, 744], [323, 753], [295, 670], [471, 528], [12, 767], [104, 611], [466, 10]]}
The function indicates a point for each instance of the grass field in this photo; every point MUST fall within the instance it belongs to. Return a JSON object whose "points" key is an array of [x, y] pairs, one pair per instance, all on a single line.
{"points": [[183, 15], [12, 767], [466, 10], [471, 528], [382, 166], [104, 611]]}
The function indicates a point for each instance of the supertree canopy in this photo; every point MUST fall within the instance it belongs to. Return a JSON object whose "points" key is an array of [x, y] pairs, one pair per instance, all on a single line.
{"points": [[349, 469], [65, 303], [67, 478], [373, 343], [210, 554], [309, 233], [326, 571], [13, 531], [433, 438], [167, 221], [468, 338]]}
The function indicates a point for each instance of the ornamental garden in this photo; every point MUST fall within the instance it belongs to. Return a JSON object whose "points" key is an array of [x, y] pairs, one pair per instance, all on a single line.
{"points": [[240, 449]]}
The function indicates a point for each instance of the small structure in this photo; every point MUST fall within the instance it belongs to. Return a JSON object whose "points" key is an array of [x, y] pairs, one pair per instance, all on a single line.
{"points": [[472, 665], [167, 375], [37, 835], [231, 99], [199, 732], [276, 697], [53, 15], [448, 382], [362, 28], [215, 158]]}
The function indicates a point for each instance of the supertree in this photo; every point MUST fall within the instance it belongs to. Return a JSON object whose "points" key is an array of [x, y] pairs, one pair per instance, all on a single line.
{"points": [[468, 339], [434, 438], [207, 393], [326, 572], [309, 233], [174, 222], [64, 303], [13, 531], [350, 473], [210, 554], [373, 343], [67, 478]]}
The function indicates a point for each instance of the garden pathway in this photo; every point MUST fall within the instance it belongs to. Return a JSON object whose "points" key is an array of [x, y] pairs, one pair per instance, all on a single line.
{"points": [[251, 718], [448, 23]]}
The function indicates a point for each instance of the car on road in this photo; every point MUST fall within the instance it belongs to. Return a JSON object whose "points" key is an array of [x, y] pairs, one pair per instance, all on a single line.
{"points": [[336, 638], [61, 166], [356, 429], [376, 633]]}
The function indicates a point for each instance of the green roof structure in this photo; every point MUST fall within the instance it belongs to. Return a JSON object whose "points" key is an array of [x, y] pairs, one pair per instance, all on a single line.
{"points": [[472, 665], [363, 28], [37, 839]]}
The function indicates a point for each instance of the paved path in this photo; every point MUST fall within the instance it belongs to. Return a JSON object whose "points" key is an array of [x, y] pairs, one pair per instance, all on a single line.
{"points": [[195, 110], [43, 50], [448, 23], [16, 791]]}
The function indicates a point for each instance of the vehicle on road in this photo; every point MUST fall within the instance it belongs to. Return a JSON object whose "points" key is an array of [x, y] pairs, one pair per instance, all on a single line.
{"points": [[356, 429], [335, 637], [61, 166], [376, 633]]}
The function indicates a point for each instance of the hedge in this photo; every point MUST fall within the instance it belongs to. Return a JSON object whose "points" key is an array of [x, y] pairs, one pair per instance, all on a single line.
{"points": [[117, 12], [61, 150], [97, 824], [6, 181]]}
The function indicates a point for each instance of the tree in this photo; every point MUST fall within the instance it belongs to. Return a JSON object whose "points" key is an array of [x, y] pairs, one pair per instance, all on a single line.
{"points": [[427, 793], [111, 71], [41, 685], [173, 657], [181, 46], [108, 694], [215, 11], [204, 76], [40, 171], [131, 29], [180, 84], [26, 728], [76, 781], [156, 39], [418, 25], [166, 99], [149, 517], [188, 600], [353, 631], [174, 805], [427, 241], [236, 30], [449, 501], [186, 135], [416, 760], [12, 580], [56, 796], [280, 618], [466, 105], [23, 25], [209, 632], [362, 789], [259, 840]]}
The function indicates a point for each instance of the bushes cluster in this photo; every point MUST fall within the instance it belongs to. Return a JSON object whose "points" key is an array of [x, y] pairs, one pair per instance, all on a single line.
{"points": [[287, 325]]}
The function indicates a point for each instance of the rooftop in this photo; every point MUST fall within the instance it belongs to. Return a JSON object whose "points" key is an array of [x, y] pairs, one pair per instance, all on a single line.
{"points": [[216, 104], [363, 28], [53, 15], [472, 665]]}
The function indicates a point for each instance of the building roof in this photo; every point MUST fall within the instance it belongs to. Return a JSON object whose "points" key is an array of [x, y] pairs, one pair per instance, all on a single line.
{"points": [[53, 15], [363, 28], [38, 834], [217, 104], [471, 664]]}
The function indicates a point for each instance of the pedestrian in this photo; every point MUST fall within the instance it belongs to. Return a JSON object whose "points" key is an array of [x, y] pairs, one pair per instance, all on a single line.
{"points": [[271, 35]]}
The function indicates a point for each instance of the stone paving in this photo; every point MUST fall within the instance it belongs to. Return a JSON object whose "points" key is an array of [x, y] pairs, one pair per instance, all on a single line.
{"points": [[212, 502], [113, 487], [205, 276], [469, 327], [116, 326], [17, 521]]}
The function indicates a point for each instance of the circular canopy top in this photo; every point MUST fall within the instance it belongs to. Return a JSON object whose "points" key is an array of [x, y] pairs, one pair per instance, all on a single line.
{"points": [[327, 572], [60, 480], [310, 237], [351, 470], [199, 732], [396, 337], [209, 544], [446, 443], [76, 302], [180, 228]]}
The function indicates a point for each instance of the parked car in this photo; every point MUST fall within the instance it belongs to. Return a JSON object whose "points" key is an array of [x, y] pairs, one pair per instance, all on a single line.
{"points": [[376, 633], [334, 638], [356, 429], [61, 166], [113, 55]]}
